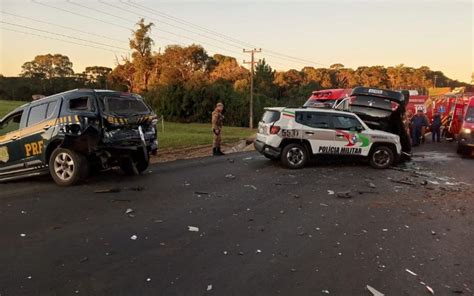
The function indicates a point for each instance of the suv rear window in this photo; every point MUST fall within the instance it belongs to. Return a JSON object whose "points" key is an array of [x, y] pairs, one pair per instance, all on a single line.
{"points": [[81, 104], [123, 105], [270, 116], [37, 114], [373, 102]]}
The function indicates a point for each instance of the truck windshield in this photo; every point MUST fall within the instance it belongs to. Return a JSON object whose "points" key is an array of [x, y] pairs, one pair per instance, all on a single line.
{"points": [[470, 115], [123, 105]]}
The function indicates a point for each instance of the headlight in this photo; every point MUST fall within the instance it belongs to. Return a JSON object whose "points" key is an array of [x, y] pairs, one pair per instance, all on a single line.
{"points": [[466, 130]]}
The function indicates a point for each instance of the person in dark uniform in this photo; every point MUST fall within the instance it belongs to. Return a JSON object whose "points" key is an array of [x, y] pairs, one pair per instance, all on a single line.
{"points": [[217, 123], [436, 127], [418, 123]]}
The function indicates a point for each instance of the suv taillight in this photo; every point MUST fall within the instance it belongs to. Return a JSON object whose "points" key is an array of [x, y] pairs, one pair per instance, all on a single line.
{"points": [[274, 129]]}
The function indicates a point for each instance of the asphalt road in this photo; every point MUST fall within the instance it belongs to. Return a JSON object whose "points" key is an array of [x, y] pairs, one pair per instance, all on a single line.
{"points": [[268, 231]]}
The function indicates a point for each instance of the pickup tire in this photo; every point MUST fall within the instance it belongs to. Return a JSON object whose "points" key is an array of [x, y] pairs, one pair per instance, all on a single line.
{"points": [[135, 164], [381, 157], [67, 167], [294, 156]]}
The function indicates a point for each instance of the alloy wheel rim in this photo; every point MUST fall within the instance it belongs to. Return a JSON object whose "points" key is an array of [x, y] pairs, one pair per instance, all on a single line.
{"points": [[64, 166], [381, 158], [295, 156]]}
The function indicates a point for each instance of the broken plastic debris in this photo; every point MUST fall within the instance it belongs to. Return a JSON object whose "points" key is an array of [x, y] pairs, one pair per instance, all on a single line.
{"points": [[209, 287], [225, 252], [325, 291], [258, 251], [23, 235], [374, 292], [372, 185], [193, 228], [148, 279], [128, 211], [344, 194], [411, 272], [108, 190], [230, 176], [29, 277], [251, 186], [330, 192], [430, 289], [134, 237], [385, 230], [323, 204]]}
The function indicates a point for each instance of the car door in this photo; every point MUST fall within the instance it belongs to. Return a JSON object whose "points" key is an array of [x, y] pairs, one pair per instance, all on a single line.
{"points": [[39, 127], [317, 129], [350, 138], [11, 153]]}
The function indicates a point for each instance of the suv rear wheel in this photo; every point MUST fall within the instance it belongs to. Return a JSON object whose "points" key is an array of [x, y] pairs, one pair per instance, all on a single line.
{"points": [[381, 157], [294, 156], [67, 167]]}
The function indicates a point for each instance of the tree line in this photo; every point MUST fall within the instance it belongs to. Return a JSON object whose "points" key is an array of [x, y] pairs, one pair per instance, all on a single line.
{"points": [[183, 83]]}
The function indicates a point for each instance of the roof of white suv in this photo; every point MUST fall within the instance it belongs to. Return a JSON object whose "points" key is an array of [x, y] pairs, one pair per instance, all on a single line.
{"points": [[299, 109]]}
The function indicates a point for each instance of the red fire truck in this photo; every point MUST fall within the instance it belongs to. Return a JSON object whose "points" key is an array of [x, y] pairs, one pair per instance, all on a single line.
{"points": [[465, 134]]}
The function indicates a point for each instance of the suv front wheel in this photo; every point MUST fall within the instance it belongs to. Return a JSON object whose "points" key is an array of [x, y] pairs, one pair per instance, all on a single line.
{"points": [[381, 157], [67, 167], [294, 156]]}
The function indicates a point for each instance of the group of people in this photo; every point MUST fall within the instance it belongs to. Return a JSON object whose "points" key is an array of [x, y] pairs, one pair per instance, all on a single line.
{"points": [[418, 124]]}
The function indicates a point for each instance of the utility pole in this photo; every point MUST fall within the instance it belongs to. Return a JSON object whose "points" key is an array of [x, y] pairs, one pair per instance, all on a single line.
{"points": [[435, 78], [252, 63]]}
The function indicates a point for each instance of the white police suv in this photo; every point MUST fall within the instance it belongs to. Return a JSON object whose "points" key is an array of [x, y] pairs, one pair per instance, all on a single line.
{"points": [[294, 135]]}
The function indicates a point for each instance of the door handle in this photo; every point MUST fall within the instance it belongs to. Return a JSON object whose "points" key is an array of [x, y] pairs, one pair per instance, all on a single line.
{"points": [[15, 138], [46, 127], [309, 133]]}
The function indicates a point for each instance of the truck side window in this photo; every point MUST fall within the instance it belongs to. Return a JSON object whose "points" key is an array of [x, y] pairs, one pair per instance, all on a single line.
{"points": [[314, 119], [50, 110], [37, 114], [11, 124], [344, 122], [81, 104]]}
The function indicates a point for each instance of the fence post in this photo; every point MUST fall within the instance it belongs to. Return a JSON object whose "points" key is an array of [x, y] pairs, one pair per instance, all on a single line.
{"points": [[162, 124]]}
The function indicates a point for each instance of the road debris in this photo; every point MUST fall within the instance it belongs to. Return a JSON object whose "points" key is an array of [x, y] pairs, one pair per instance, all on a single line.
{"points": [[374, 291], [22, 234], [405, 181], [108, 190], [258, 251], [148, 279], [84, 259], [325, 291], [199, 193], [129, 212], [344, 194], [323, 205], [134, 237], [251, 186], [286, 183], [209, 288], [330, 192], [411, 272], [371, 185], [230, 176], [193, 228]]}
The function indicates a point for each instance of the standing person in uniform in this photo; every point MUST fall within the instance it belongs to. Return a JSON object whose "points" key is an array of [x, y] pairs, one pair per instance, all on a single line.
{"points": [[436, 127], [217, 123], [418, 122]]}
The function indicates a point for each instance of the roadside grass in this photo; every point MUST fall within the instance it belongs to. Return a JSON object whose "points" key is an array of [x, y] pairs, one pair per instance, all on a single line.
{"points": [[7, 106], [185, 135]]}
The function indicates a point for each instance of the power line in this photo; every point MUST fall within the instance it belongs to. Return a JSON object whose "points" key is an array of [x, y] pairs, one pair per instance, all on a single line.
{"points": [[159, 29], [58, 39], [78, 14], [60, 26], [61, 35], [237, 41]]}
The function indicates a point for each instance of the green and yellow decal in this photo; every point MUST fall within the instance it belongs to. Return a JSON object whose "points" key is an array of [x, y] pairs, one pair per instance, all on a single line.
{"points": [[287, 113]]}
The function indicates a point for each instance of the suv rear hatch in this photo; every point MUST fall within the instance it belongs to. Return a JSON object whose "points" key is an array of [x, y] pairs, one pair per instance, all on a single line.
{"points": [[270, 116], [382, 110]]}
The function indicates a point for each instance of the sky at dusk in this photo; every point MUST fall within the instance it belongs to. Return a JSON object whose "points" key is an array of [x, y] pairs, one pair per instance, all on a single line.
{"points": [[438, 34]]}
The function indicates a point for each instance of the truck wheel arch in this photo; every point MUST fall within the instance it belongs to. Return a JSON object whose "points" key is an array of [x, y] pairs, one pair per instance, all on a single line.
{"points": [[51, 147], [305, 143]]}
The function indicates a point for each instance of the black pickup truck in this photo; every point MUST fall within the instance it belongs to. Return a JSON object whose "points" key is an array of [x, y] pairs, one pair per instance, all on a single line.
{"points": [[68, 133]]}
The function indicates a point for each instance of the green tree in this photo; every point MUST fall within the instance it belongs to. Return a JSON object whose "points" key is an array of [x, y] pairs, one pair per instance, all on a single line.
{"points": [[48, 67], [142, 58], [263, 79], [96, 76]]}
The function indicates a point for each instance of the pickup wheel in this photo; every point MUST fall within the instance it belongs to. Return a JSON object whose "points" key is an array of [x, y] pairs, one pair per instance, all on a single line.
{"points": [[135, 164], [67, 167], [381, 157], [294, 156]]}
